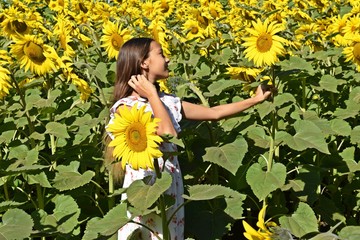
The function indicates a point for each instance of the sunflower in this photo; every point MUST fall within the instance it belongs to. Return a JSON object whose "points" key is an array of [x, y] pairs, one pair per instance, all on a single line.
{"points": [[4, 82], [193, 29], [134, 137], [244, 73], [114, 37], [263, 47], [352, 27], [33, 54], [14, 22], [352, 52], [263, 232], [62, 31]]}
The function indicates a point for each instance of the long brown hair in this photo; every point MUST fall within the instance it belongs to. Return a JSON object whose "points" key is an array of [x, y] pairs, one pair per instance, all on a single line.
{"points": [[128, 63], [129, 60]]}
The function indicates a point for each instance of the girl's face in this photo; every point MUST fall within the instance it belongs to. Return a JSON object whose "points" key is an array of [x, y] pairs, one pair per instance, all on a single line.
{"points": [[156, 65]]}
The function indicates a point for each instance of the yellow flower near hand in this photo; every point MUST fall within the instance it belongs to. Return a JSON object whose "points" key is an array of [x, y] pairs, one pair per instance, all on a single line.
{"points": [[134, 137]]}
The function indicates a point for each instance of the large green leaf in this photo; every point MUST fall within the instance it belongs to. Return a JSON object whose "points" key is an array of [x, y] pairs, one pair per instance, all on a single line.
{"points": [[308, 135], [262, 182], [297, 63], [350, 233], [217, 87], [57, 129], [68, 177], [16, 224], [330, 83], [107, 226], [64, 218], [233, 198], [228, 156], [142, 196], [258, 135], [301, 222]]}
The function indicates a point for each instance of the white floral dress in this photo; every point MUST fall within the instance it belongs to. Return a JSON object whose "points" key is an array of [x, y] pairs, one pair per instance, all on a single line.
{"points": [[153, 221]]}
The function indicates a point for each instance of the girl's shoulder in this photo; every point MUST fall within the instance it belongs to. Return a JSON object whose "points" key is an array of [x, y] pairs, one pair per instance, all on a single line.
{"points": [[128, 101]]}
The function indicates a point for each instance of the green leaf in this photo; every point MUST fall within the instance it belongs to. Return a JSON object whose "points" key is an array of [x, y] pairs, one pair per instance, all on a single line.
{"points": [[71, 180], [228, 156], [308, 135], [297, 63], [348, 156], [219, 86], [330, 83], [39, 178], [233, 198], [64, 218], [262, 182], [355, 135], [203, 71], [340, 127], [57, 129], [16, 224], [350, 233], [258, 135], [301, 222], [101, 72], [142, 196], [4, 205]]}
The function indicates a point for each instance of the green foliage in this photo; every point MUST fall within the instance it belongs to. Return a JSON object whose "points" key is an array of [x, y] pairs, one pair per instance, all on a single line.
{"points": [[298, 152]]}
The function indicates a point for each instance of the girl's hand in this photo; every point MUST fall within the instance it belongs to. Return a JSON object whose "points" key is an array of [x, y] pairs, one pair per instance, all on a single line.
{"points": [[262, 93], [142, 86]]}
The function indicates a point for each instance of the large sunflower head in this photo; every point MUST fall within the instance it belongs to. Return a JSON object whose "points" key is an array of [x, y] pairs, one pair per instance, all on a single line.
{"points": [[263, 46], [34, 55], [352, 53], [114, 37], [134, 139]]}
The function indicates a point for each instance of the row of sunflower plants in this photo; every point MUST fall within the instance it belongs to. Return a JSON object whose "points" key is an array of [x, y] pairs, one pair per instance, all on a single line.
{"points": [[284, 169]]}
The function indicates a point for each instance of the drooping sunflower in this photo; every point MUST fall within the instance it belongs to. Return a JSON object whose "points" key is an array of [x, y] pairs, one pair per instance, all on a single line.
{"points": [[34, 55], [264, 46], [114, 37], [263, 233], [352, 53], [134, 139], [62, 31]]}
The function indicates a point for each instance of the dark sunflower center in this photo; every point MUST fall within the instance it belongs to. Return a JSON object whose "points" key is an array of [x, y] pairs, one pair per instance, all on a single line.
{"points": [[83, 8], [61, 3], [194, 30], [264, 42], [164, 7], [34, 52], [19, 27], [116, 41], [356, 51], [136, 137]]}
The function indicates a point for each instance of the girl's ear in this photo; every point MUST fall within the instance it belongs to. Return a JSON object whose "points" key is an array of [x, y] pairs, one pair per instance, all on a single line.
{"points": [[145, 65]]}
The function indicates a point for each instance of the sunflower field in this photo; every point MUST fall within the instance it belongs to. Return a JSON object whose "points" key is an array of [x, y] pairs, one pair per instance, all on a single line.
{"points": [[287, 168]]}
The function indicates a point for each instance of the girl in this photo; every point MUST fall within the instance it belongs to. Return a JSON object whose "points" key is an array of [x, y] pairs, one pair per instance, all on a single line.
{"points": [[140, 64]]}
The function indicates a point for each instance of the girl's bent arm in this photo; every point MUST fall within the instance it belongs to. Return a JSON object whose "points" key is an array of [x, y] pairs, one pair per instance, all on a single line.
{"points": [[199, 112], [147, 90]]}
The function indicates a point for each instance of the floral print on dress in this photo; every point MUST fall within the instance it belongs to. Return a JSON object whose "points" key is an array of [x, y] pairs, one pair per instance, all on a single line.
{"points": [[152, 220]]}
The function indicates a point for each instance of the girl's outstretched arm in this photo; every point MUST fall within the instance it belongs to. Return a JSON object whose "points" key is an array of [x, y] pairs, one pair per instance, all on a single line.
{"points": [[198, 112], [147, 90]]}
